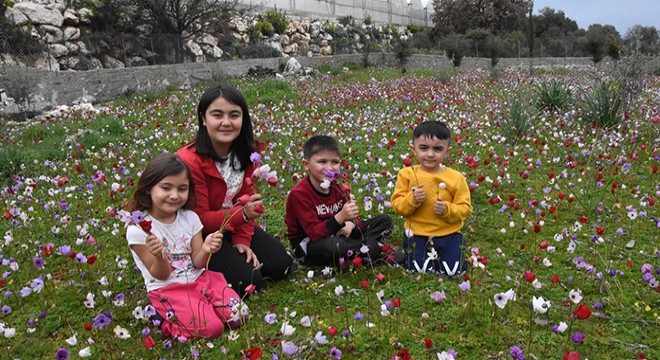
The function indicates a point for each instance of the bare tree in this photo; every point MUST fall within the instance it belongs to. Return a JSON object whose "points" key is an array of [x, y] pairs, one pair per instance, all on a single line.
{"points": [[181, 16]]}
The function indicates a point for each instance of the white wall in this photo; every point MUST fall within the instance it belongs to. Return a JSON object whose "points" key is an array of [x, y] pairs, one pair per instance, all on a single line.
{"points": [[397, 12]]}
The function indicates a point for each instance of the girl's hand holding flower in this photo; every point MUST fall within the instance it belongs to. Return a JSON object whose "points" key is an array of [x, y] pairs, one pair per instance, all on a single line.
{"points": [[155, 246], [213, 242]]}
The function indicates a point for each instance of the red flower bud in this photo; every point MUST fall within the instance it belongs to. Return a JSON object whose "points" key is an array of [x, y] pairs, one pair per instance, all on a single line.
{"points": [[357, 261], [332, 330], [145, 225], [428, 343], [529, 276], [364, 284], [91, 259], [396, 302], [148, 342]]}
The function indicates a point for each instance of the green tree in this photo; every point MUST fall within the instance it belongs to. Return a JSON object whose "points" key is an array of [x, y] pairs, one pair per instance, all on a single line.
{"points": [[479, 38], [555, 32], [497, 16], [597, 38]]}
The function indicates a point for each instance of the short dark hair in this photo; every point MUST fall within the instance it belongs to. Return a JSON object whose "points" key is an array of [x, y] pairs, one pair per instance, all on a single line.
{"points": [[243, 146], [160, 167], [320, 143], [431, 129]]}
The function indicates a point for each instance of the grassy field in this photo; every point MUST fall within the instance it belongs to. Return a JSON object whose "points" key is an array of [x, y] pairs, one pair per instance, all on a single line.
{"points": [[565, 216]]}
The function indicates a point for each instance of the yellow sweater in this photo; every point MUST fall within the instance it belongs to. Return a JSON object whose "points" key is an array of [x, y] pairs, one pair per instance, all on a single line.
{"points": [[420, 218]]}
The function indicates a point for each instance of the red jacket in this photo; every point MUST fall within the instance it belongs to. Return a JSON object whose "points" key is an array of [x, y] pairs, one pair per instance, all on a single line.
{"points": [[210, 191]]}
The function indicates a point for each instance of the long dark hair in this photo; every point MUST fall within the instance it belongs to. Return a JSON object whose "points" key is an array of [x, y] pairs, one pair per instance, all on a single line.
{"points": [[243, 146], [160, 167]]}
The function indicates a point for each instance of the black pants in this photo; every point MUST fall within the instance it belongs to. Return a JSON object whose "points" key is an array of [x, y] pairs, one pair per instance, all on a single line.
{"points": [[329, 250], [270, 252]]}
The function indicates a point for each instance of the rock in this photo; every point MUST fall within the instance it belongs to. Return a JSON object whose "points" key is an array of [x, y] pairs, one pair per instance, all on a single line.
{"points": [[315, 28], [292, 49], [83, 48], [276, 45], [77, 63], [295, 38], [6, 59], [292, 67], [137, 61], [58, 50], [73, 47], [111, 63], [84, 14], [239, 25], [217, 52], [284, 39], [39, 14], [50, 34], [16, 16], [95, 64], [70, 17], [85, 99], [209, 40], [144, 29], [314, 48], [326, 50], [194, 49], [45, 61], [71, 33]]}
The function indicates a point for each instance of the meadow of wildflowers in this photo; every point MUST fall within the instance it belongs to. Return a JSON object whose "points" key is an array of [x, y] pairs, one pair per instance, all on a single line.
{"points": [[564, 257]]}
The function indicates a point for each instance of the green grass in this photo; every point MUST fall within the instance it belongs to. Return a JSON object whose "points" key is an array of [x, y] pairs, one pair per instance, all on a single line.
{"points": [[78, 170]]}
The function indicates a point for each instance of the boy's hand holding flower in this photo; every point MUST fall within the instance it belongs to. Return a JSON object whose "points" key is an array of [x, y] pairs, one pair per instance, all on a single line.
{"points": [[418, 193], [349, 212], [440, 207], [213, 242]]}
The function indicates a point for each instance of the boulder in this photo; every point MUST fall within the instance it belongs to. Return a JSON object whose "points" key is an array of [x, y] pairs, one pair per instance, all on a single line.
{"points": [[83, 48], [6, 59], [95, 64], [276, 45], [45, 62], [284, 39], [315, 28], [111, 63], [292, 67], [73, 47], [144, 29], [208, 40], [58, 50], [217, 52], [77, 63], [71, 33], [326, 50], [50, 34], [16, 16], [194, 49], [70, 17], [291, 49], [238, 25], [84, 14], [137, 61], [39, 14]]}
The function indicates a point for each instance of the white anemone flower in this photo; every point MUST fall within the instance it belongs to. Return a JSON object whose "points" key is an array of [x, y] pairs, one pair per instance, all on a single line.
{"points": [[540, 305], [575, 295], [501, 300]]}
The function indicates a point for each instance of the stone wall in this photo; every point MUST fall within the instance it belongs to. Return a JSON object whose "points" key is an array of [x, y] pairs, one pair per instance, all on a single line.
{"points": [[52, 88]]}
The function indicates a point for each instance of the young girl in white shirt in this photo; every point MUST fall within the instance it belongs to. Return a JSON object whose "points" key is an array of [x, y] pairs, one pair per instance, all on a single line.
{"points": [[165, 238]]}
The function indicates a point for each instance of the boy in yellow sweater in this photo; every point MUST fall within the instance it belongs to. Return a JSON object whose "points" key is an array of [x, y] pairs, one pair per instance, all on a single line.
{"points": [[435, 201]]}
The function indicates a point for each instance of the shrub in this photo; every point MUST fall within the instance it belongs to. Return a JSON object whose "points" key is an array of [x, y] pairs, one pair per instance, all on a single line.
{"points": [[519, 121], [265, 28], [259, 51], [367, 20], [11, 159], [604, 104], [278, 20], [348, 20], [17, 42], [551, 95], [445, 75]]}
